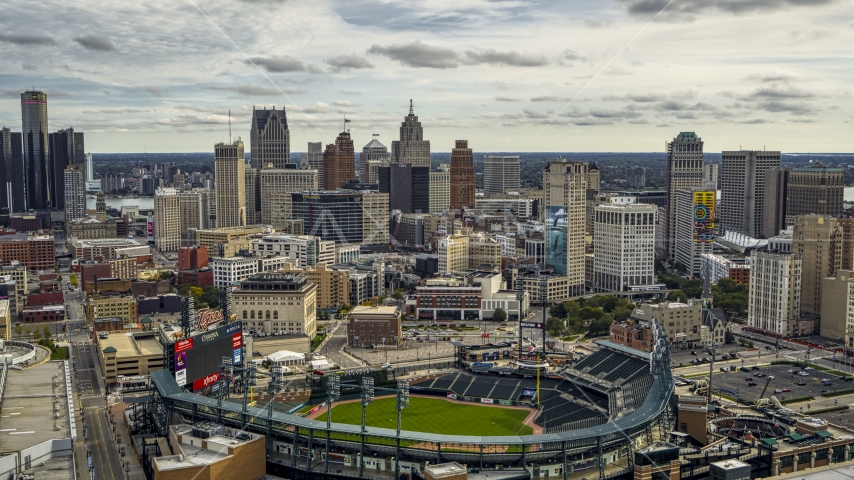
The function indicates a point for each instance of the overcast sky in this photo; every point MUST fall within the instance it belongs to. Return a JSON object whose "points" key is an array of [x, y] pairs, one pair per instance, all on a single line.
{"points": [[508, 75]]}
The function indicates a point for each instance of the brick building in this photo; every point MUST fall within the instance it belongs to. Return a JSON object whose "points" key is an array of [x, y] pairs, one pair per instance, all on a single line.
{"points": [[375, 326], [191, 258], [36, 252]]}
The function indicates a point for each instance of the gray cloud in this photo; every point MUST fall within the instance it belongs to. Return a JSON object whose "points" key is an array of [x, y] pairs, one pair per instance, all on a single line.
{"points": [[116, 111], [26, 39], [687, 9], [511, 59], [782, 77], [257, 90], [277, 64], [345, 92], [593, 23], [637, 97], [418, 55], [549, 98], [568, 56], [507, 99], [347, 62], [29, 66], [94, 41], [345, 103], [793, 107]]}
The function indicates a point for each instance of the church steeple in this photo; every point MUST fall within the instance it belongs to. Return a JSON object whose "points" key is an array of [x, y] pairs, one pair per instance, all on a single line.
{"points": [[101, 207]]}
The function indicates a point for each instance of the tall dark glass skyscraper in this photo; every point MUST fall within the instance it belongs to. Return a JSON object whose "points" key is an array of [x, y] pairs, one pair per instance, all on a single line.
{"points": [[66, 148], [36, 146], [12, 171], [407, 186]]}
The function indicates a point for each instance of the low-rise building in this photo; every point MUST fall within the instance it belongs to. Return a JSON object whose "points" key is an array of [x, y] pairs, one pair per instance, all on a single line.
{"points": [[103, 249], [556, 286], [5, 320], [681, 321], [374, 326], [715, 267], [632, 334], [111, 305], [474, 296], [211, 452], [277, 303], [225, 241]]}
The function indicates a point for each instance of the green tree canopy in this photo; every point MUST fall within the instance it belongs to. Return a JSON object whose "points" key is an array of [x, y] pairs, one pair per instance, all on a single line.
{"points": [[499, 315]]}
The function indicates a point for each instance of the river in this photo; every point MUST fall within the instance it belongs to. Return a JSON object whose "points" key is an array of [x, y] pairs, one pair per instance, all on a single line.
{"points": [[144, 203]]}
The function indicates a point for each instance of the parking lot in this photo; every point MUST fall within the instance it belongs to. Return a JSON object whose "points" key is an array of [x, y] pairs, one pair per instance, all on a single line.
{"points": [[798, 385]]}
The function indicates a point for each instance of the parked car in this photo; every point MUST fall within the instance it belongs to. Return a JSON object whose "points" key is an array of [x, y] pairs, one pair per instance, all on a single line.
{"points": [[787, 390], [778, 390], [755, 367], [749, 379], [744, 369], [751, 384], [792, 370], [804, 374]]}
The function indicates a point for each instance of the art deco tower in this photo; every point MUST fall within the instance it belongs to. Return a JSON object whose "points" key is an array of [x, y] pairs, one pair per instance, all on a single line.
{"points": [[269, 139], [462, 176], [411, 149]]}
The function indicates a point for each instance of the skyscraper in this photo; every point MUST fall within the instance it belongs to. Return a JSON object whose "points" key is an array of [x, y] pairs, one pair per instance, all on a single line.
{"points": [[339, 162], [36, 155], [790, 192], [590, 195], [74, 192], [624, 246], [500, 173], [819, 241], [373, 156], [636, 177], [440, 189], [462, 176], [282, 180], [411, 148], [66, 148], [269, 139], [313, 160], [252, 191], [743, 190], [710, 175], [565, 186], [693, 227], [407, 186], [774, 299], [683, 169], [167, 220], [90, 169], [12, 177], [229, 169], [194, 211]]}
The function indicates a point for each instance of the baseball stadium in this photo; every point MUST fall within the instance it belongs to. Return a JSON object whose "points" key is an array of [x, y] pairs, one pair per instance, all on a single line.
{"points": [[592, 415]]}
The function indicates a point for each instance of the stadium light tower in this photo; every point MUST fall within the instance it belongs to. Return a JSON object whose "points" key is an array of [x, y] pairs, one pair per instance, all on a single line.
{"points": [[367, 399], [227, 369], [402, 402], [333, 393], [274, 386]]}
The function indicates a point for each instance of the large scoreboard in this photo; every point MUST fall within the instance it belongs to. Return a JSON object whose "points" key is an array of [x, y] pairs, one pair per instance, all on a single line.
{"points": [[197, 360]]}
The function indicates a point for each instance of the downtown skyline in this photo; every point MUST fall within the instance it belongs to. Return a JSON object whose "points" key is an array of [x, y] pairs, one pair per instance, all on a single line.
{"points": [[507, 76]]}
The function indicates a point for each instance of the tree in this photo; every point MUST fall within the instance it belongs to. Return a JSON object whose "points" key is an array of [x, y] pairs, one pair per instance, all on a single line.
{"points": [[397, 295], [554, 326], [677, 296], [27, 331], [594, 313], [196, 293], [19, 330], [602, 325], [573, 309], [73, 281], [166, 275], [46, 332], [500, 315], [36, 333], [322, 314]]}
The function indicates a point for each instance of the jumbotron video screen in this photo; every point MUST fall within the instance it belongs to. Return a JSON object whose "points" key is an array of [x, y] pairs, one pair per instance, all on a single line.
{"points": [[197, 360]]}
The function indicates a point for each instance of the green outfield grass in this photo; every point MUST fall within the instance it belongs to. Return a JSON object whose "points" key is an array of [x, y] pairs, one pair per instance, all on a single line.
{"points": [[437, 416]]}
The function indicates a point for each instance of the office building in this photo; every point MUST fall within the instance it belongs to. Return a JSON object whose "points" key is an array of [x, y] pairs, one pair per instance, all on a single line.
{"points": [[373, 156], [743, 190], [66, 148], [682, 322], [774, 300], [277, 302], [693, 228], [715, 267], [474, 296], [333, 284], [500, 174], [313, 160], [515, 206], [12, 173], [112, 305], [440, 190], [461, 253], [192, 258], [252, 185], [818, 240], [683, 169], [407, 186], [624, 246], [224, 242], [565, 186], [591, 194], [790, 192], [345, 216], [462, 180], [837, 319], [229, 270], [301, 250], [36, 148], [411, 149], [90, 169], [635, 177], [279, 181], [230, 171], [710, 176], [194, 211], [269, 139], [74, 194], [167, 220], [339, 162], [148, 185]]}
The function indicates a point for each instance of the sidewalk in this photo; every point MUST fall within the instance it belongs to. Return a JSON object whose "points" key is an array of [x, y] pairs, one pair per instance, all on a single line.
{"points": [[115, 413]]}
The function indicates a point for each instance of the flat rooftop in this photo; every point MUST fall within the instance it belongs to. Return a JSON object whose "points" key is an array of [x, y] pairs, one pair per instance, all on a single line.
{"points": [[26, 416], [384, 310], [196, 456], [127, 346]]}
